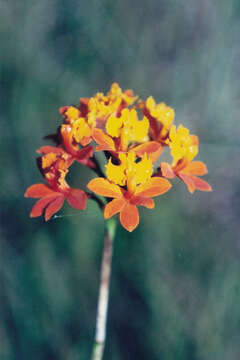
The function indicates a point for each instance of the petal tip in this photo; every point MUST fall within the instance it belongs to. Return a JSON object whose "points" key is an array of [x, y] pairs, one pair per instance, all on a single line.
{"points": [[129, 217]]}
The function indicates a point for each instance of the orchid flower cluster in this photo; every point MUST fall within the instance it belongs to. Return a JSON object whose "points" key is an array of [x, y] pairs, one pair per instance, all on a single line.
{"points": [[132, 133]]}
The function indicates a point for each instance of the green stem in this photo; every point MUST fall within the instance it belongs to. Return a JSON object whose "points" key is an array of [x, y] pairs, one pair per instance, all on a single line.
{"points": [[103, 296]]}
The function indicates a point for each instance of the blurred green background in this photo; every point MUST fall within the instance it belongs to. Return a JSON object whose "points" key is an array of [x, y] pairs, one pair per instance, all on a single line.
{"points": [[175, 289]]}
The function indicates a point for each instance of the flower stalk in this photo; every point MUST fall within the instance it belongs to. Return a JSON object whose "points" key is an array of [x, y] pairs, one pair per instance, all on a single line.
{"points": [[101, 319]]}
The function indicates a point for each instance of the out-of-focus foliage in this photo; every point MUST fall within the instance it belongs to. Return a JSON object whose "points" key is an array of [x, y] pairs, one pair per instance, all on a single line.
{"points": [[175, 290]]}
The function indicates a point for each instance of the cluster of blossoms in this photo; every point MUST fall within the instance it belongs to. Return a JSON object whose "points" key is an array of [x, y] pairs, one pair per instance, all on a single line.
{"points": [[132, 133]]}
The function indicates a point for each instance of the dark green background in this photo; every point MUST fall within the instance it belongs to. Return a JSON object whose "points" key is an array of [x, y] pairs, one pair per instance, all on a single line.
{"points": [[175, 289]]}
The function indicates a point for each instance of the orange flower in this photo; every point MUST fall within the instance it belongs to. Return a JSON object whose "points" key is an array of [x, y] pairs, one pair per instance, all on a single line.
{"points": [[184, 147], [130, 184], [51, 201], [188, 174], [77, 128], [54, 167], [72, 147]]}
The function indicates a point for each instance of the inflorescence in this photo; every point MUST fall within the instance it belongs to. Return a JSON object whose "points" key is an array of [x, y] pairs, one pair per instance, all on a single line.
{"points": [[132, 133]]}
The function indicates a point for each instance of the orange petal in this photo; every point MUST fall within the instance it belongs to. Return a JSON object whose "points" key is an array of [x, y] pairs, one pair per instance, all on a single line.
{"points": [[103, 187], [77, 199], [154, 187], [85, 141], [187, 179], [114, 207], [41, 204], [141, 201], [167, 170], [67, 140], [152, 148], [129, 217], [195, 140], [200, 184], [104, 141], [54, 206], [38, 191], [195, 168]]}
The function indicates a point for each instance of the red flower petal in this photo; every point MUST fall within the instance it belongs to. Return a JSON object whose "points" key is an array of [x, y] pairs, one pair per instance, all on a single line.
{"points": [[41, 204], [167, 170], [154, 129], [103, 187], [85, 153], [77, 198], [152, 148], [195, 168], [84, 101], [54, 206], [38, 191], [154, 187], [141, 201], [114, 207], [50, 149], [129, 217], [63, 109], [104, 141]]}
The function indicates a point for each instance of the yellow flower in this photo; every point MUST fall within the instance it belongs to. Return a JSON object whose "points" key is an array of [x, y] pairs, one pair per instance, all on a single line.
{"points": [[162, 113], [129, 172], [72, 113], [182, 144], [113, 126], [116, 173], [81, 129], [97, 106], [102, 106], [143, 170], [116, 93], [128, 128]]}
